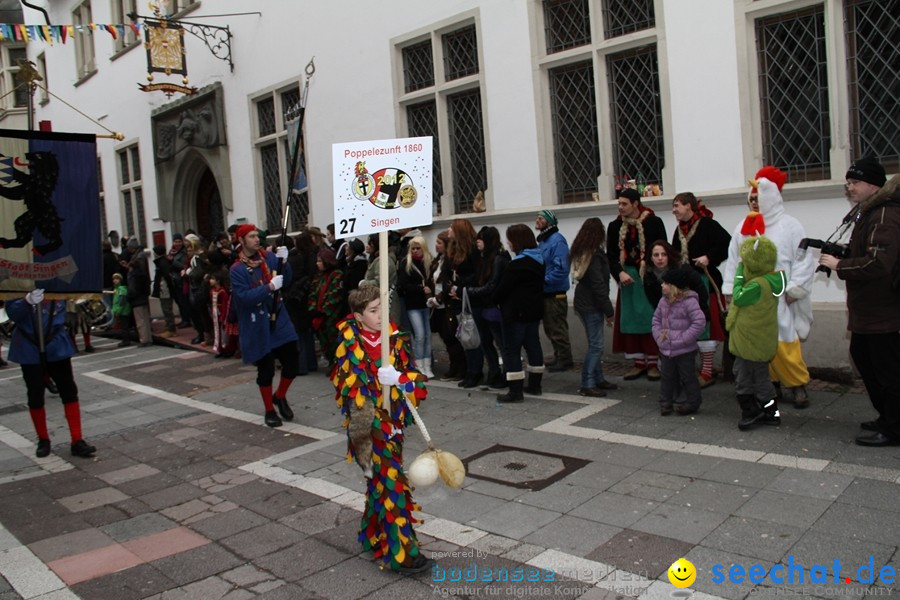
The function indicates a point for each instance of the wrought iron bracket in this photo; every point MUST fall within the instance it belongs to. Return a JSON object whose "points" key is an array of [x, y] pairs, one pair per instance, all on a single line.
{"points": [[216, 38]]}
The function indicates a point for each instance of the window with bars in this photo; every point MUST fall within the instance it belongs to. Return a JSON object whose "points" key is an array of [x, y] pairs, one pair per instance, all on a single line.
{"points": [[102, 196], [567, 24], [131, 193], [422, 122], [873, 61], [460, 53], [793, 88], [636, 114], [273, 146], [450, 111], [626, 16], [121, 10], [85, 64], [576, 145]]}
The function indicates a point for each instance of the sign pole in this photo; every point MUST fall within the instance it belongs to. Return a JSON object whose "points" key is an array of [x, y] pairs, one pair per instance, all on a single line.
{"points": [[385, 291]]}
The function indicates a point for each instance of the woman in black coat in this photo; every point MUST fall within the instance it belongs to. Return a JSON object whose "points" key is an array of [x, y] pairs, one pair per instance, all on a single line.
{"points": [[520, 296]]}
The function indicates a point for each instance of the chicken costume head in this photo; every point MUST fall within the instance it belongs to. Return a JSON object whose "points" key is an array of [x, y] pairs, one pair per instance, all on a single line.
{"points": [[767, 186]]}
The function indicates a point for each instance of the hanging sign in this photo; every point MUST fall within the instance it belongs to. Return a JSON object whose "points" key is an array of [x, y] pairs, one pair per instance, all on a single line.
{"points": [[382, 185]]}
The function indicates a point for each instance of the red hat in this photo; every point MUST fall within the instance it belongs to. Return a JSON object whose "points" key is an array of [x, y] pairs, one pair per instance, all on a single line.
{"points": [[244, 230], [773, 174]]}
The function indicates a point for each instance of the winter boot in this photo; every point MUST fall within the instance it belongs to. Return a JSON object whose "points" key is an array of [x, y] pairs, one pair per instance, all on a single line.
{"points": [[515, 391], [751, 412], [801, 400], [771, 416], [534, 384]]}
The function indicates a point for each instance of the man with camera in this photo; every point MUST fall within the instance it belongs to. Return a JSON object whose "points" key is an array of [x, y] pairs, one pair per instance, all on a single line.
{"points": [[873, 294]]}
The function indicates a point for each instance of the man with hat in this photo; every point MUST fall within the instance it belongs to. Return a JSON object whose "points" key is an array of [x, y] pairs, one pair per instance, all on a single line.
{"points": [[266, 329], [872, 276], [629, 244], [555, 250]]}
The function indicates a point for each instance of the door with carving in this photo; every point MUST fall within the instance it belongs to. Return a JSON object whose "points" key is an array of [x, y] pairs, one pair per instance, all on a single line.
{"points": [[210, 216]]}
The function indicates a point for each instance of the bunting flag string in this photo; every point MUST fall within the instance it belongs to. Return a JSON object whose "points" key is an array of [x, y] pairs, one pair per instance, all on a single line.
{"points": [[62, 33]]}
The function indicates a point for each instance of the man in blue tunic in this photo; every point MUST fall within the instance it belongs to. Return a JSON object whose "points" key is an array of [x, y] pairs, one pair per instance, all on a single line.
{"points": [[266, 329]]}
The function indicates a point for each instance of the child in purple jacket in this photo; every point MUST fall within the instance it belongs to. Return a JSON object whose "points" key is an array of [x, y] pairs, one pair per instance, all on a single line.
{"points": [[677, 323]]}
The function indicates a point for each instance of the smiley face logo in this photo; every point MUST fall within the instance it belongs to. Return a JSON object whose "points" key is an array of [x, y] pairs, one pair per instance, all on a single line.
{"points": [[682, 573]]}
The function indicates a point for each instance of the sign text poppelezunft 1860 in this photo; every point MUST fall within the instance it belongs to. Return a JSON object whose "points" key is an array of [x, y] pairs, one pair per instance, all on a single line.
{"points": [[382, 185]]}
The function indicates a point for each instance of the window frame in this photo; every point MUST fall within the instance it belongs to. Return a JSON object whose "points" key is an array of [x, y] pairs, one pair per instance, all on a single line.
{"points": [[439, 92], [8, 71], [133, 187], [120, 12], [85, 52], [597, 50]]}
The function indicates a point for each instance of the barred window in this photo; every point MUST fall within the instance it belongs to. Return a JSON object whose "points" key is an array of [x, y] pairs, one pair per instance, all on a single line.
{"points": [[132, 194], [418, 66], [274, 145], [873, 61], [84, 43], [793, 85], [422, 119], [102, 197], [466, 148], [458, 134], [576, 146], [636, 114], [625, 16], [460, 53], [567, 24]]}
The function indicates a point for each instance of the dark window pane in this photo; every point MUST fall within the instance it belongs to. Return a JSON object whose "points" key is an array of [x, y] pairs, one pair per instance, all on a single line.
{"points": [[460, 53], [625, 16], [635, 113], [135, 164], [290, 101], [141, 220], [271, 186], [576, 147], [129, 213], [265, 113], [422, 122], [124, 171], [466, 148], [873, 61], [418, 66], [793, 87], [567, 24]]}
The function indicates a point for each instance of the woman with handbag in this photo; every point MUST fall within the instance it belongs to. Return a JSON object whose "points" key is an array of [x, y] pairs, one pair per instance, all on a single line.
{"points": [[442, 319], [487, 315], [464, 259], [520, 296], [414, 286]]}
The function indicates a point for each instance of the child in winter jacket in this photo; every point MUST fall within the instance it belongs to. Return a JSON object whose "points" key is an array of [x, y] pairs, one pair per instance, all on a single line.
{"points": [[677, 323], [753, 324], [121, 309]]}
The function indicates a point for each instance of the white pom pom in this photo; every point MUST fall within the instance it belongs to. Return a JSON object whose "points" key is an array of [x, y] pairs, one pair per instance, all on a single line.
{"points": [[424, 470]]}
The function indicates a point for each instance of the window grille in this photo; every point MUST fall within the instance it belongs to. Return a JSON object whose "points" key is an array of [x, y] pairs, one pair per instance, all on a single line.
{"points": [[625, 16], [141, 219], [265, 111], [873, 61], [635, 114], [576, 146], [129, 213], [793, 87], [418, 66], [102, 195], [299, 199], [422, 122], [124, 171], [271, 185], [135, 163], [460, 53], [567, 24], [290, 100], [466, 148]]}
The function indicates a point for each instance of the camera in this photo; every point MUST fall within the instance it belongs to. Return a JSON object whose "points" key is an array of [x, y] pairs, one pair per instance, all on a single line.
{"points": [[836, 250]]}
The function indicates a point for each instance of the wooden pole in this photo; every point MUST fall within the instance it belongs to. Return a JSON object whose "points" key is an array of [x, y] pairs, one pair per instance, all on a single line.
{"points": [[385, 290]]}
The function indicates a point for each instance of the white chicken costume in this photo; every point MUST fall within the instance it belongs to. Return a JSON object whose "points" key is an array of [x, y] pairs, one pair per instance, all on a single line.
{"points": [[794, 320]]}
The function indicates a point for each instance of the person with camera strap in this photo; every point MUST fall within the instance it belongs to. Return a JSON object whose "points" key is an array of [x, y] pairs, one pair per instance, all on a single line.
{"points": [[872, 276], [795, 314]]}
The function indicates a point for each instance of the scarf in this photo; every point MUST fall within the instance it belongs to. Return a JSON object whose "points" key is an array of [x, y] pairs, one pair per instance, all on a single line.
{"points": [[580, 265], [685, 232], [371, 343], [258, 260], [638, 225]]}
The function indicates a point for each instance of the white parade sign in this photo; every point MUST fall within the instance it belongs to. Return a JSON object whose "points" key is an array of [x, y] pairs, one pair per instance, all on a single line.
{"points": [[381, 185]]}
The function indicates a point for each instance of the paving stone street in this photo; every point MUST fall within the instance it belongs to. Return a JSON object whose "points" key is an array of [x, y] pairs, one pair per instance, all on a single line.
{"points": [[190, 495]]}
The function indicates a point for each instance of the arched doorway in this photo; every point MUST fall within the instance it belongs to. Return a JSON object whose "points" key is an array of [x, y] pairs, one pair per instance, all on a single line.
{"points": [[210, 216]]}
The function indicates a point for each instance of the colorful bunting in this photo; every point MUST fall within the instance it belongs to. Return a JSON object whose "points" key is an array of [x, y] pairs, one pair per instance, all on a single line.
{"points": [[48, 33]]}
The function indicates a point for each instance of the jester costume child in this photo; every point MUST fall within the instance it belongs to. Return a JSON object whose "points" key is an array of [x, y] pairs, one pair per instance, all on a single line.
{"points": [[375, 438]]}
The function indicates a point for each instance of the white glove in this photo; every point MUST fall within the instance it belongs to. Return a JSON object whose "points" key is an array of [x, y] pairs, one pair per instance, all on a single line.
{"points": [[35, 296], [388, 375], [277, 282], [281, 252]]}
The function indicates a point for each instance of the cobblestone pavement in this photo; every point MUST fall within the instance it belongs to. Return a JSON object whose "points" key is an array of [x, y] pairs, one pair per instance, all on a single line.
{"points": [[191, 496]]}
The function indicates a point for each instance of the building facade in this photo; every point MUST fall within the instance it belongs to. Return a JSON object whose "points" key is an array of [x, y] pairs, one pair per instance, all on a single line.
{"points": [[534, 103]]}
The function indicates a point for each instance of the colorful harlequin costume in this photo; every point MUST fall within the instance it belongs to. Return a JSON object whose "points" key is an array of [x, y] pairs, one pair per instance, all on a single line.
{"points": [[387, 523]]}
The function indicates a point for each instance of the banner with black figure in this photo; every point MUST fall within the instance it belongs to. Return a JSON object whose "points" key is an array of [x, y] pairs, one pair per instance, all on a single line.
{"points": [[49, 214]]}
